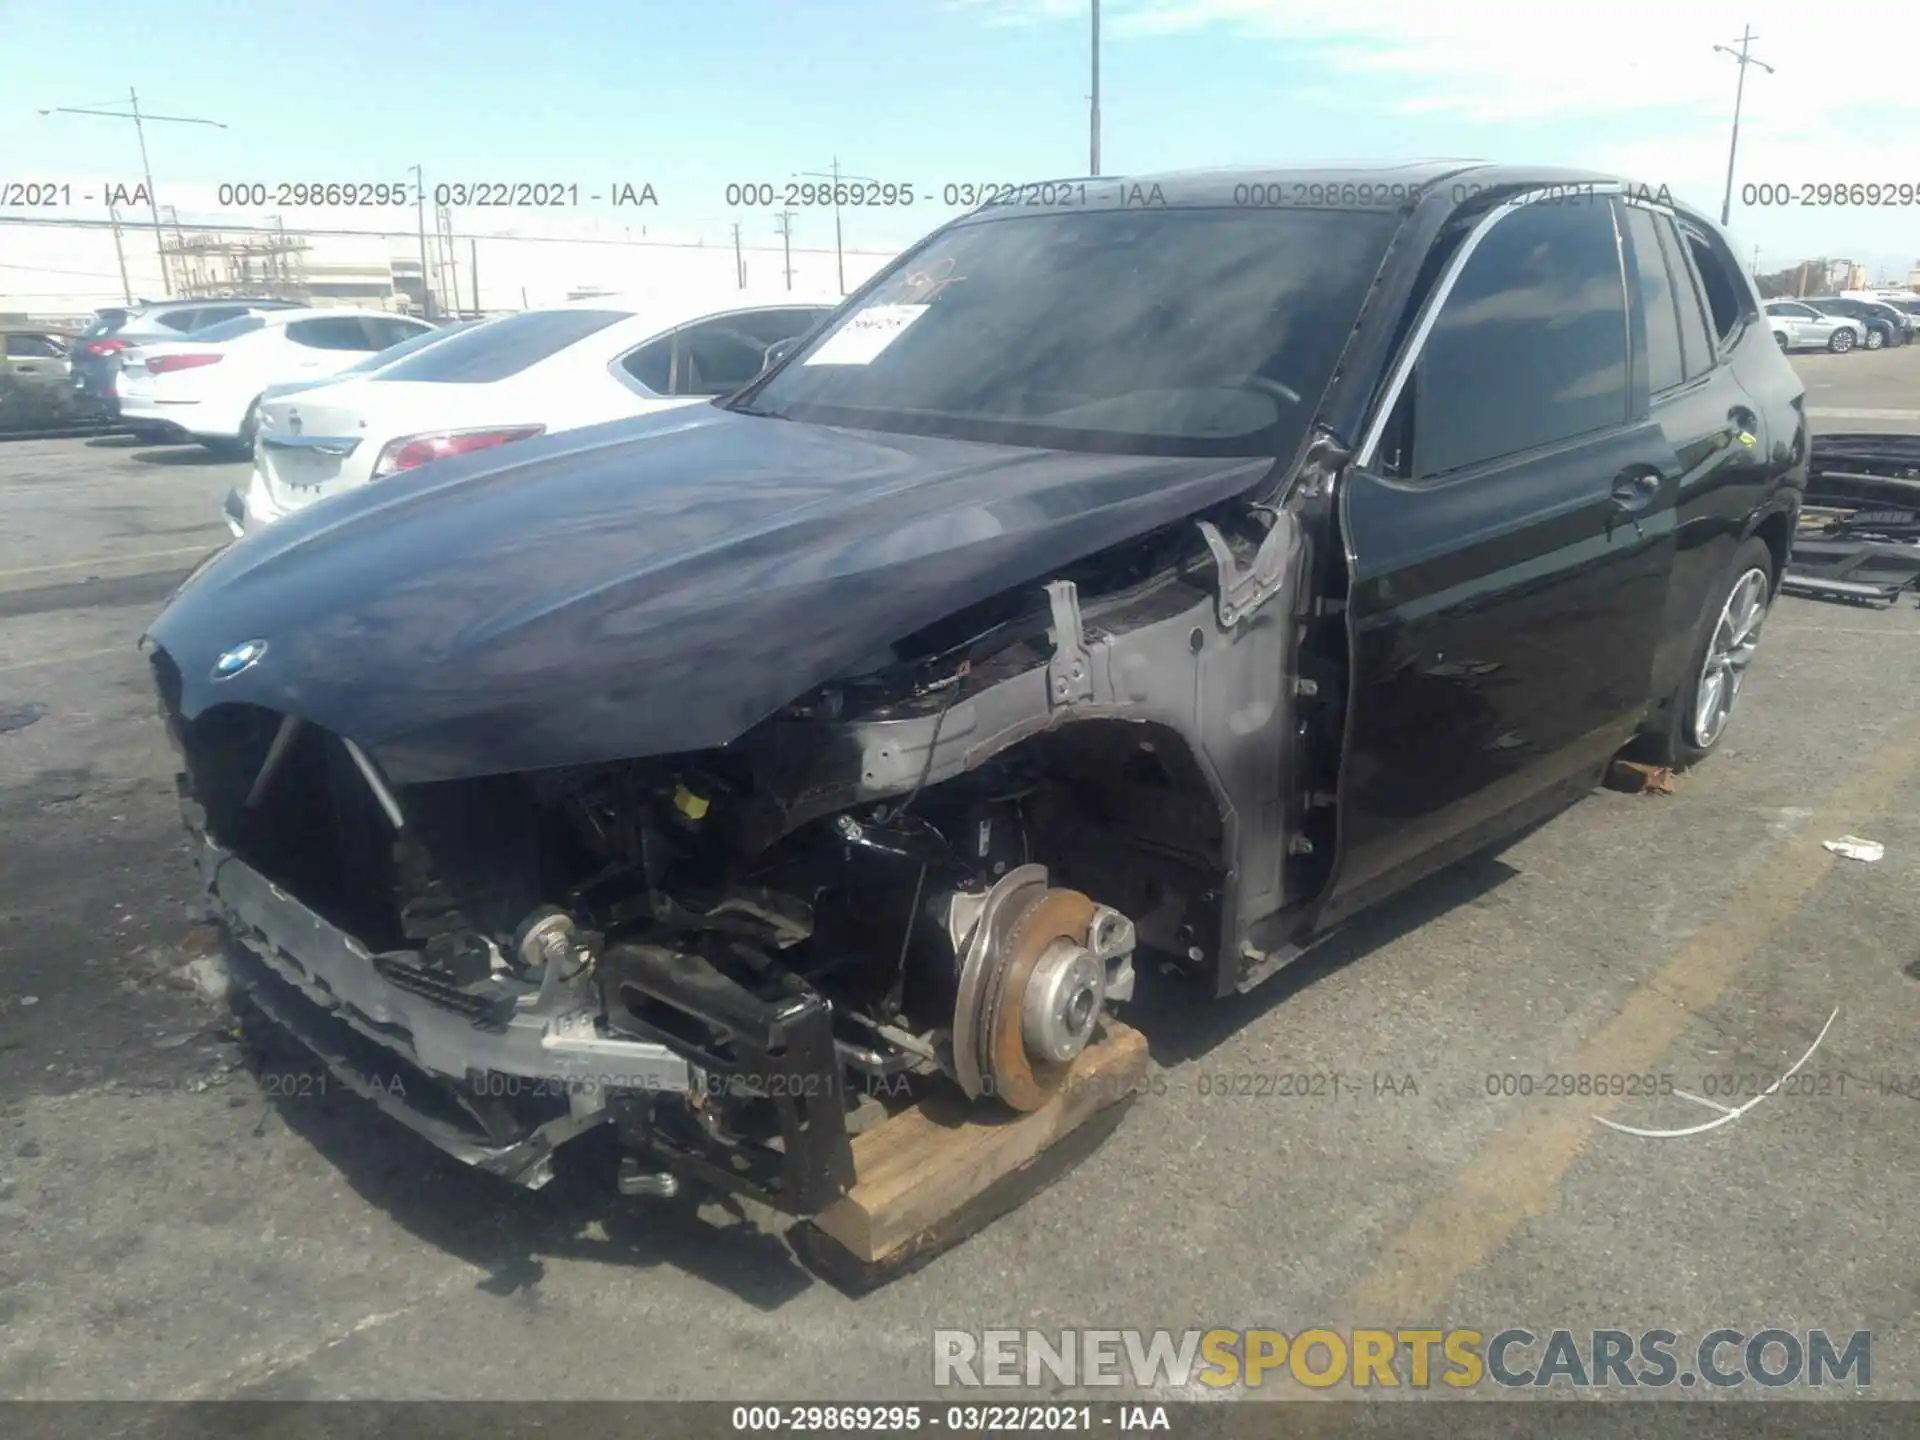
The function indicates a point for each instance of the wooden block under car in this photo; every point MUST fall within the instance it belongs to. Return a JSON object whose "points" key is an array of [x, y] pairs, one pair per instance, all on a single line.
{"points": [[933, 1175]]}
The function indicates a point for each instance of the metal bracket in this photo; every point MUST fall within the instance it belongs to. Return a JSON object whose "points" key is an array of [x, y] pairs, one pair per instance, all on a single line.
{"points": [[1244, 591], [1070, 672]]}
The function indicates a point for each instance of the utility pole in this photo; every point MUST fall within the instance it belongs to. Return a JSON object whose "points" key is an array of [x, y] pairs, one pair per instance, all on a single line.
{"points": [[140, 123], [446, 255], [786, 243], [120, 252], [739, 264], [473, 271], [839, 253], [1094, 167], [1747, 37], [420, 197]]}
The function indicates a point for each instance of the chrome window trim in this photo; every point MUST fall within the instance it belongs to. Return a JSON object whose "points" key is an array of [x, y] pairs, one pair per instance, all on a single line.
{"points": [[1417, 342]]}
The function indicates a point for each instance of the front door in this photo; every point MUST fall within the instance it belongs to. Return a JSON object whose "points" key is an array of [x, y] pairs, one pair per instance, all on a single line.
{"points": [[1511, 540]]}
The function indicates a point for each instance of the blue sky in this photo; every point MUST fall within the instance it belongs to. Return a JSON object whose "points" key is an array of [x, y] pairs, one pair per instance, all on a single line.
{"points": [[692, 96]]}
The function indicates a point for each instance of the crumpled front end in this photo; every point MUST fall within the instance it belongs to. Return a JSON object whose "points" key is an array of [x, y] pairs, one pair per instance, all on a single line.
{"points": [[407, 950], [931, 874]]}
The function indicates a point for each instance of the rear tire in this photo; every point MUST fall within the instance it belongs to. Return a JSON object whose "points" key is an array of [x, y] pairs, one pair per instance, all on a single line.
{"points": [[1725, 638], [241, 445], [1781, 341]]}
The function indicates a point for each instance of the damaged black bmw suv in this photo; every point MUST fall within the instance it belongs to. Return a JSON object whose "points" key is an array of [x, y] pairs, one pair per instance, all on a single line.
{"points": [[1172, 565]]}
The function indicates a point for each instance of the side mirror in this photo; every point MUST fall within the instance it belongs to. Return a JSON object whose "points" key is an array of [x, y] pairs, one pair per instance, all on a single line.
{"points": [[779, 351]]}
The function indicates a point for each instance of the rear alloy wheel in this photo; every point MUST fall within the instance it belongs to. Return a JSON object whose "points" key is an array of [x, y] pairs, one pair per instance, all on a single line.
{"points": [[1723, 652], [1730, 650], [1840, 342], [1781, 341], [1875, 339]]}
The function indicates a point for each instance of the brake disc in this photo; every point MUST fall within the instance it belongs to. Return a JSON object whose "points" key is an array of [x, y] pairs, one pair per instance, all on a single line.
{"points": [[1042, 1000]]}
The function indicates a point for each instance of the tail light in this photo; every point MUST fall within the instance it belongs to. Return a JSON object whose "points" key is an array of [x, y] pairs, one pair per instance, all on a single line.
{"points": [[163, 364], [99, 349], [411, 451]]}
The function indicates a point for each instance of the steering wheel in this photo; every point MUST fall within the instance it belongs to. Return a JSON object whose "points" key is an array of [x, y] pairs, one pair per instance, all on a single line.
{"points": [[1262, 385]]}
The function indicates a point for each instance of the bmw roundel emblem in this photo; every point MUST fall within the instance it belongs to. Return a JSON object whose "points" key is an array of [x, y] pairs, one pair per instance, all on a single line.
{"points": [[239, 658]]}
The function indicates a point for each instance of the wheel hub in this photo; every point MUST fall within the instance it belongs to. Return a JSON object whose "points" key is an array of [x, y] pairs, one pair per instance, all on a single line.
{"points": [[1033, 986]]}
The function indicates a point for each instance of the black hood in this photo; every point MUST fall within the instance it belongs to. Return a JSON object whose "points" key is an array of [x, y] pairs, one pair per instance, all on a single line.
{"points": [[645, 587]]}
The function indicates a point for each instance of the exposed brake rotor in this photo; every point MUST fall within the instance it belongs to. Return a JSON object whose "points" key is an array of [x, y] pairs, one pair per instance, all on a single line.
{"points": [[1031, 991]]}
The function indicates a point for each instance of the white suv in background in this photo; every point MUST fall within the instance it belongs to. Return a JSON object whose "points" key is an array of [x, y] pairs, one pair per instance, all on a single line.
{"points": [[206, 387], [510, 379]]}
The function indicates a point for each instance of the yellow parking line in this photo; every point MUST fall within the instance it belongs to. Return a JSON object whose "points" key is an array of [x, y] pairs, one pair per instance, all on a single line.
{"points": [[1516, 1176], [108, 560]]}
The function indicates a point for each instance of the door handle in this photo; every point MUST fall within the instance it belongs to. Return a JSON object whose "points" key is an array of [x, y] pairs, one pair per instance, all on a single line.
{"points": [[1635, 490]]}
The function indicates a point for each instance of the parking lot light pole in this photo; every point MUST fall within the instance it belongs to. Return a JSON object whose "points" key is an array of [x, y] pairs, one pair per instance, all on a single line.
{"points": [[140, 123], [1093, 167], [1747, 37]]}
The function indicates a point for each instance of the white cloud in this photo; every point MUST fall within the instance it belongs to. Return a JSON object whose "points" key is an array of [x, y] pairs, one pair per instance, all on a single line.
{"points": [[1601, 76], [1515, 59]]}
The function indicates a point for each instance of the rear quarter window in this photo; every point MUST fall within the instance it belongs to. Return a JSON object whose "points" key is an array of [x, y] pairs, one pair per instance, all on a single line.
{"points": [[500, 348]]}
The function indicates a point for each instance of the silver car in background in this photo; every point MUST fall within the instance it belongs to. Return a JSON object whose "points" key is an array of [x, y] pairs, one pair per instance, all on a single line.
{"points": [[1801, 327]]}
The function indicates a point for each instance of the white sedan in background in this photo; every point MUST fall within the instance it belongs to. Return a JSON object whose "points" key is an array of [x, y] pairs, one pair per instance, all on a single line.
{"points": [[207, 386], [510, 379]]}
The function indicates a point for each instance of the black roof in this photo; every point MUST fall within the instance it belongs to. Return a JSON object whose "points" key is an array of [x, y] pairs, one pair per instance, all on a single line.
{"points": [[1372, 183]]}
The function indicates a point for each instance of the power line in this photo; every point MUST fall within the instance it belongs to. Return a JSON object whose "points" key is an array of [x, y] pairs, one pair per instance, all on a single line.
{"points": [[48, 270], [146, 169], [81, 224]]}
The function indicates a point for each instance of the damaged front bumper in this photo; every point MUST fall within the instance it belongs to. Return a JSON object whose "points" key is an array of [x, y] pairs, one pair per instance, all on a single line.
{"points": [[429, 1067]]}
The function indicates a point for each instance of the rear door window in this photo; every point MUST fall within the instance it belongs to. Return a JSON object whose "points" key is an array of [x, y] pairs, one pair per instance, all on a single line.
{"points": [[387, 333], [771, 326], [34, 347], [717, 357], [331, 332], [501, 348], [1530, 347], [231, 329], [180, 320], [652, 364]]}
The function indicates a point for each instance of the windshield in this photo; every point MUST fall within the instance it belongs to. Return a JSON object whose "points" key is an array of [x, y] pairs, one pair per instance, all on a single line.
{"points": [[1164, 331]]}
